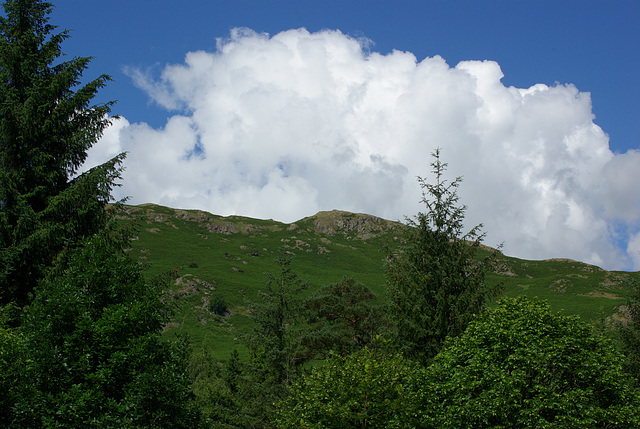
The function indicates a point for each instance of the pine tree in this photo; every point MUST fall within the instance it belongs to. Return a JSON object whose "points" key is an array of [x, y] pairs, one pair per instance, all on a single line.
{"points": [[47, 124], [435, 280]]}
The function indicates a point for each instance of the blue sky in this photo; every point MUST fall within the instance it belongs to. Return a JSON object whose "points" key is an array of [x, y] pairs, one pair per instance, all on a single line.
{"points": [[280, 109], [593, 44]]}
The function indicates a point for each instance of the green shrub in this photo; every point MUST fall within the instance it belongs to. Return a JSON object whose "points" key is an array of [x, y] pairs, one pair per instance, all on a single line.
{"points": [[218, 305], [520, 365], [367, 389]]}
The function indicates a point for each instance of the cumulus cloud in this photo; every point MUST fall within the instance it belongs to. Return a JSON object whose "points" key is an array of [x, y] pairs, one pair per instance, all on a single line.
{"points": [[284, 126], [633, 249]]}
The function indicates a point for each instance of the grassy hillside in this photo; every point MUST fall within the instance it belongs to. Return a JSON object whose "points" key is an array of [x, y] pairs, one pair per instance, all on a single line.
{"points": [[227, 257]]}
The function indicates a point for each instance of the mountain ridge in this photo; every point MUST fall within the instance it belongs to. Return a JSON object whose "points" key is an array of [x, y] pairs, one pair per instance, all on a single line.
{"points": [[227, 257]]}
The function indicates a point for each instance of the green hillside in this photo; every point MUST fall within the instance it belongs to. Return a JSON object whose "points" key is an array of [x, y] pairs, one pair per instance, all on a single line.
{"points": [[226, 258]]}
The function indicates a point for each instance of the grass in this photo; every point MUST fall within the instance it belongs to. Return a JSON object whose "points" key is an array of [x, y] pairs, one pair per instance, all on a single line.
{"points": [[229, 256]]}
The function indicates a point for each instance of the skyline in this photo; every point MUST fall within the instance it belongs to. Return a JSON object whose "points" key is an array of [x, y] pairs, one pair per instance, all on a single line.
{"points": [[248, 108]]}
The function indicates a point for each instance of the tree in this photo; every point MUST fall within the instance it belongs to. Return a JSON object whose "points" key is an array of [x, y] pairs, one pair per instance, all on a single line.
{"points": [[46, 127], [93, 349], [88, 351], [367, 389], [227, 396], [435, 279], [519, 365], [342, 318], [274, 342], [630, 332], [12, 361]]}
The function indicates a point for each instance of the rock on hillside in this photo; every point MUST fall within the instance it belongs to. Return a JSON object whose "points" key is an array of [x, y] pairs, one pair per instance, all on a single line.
{"points": [[362, 225], [354, 225]]}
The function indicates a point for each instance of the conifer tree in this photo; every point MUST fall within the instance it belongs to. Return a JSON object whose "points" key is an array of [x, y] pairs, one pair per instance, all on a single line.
{"points": [[47, 124], [91, 353], [274, 344], [274, 341], [436, 282]]}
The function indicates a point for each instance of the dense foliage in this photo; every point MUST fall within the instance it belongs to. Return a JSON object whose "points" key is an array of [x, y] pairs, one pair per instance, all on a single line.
{"points": [[46, 128], [275, 340], [223, 393], [342, 318], [12, 360], [519, 365], [630, 332], [366, 389], [93, 349], [80, 326], [436, 282]]}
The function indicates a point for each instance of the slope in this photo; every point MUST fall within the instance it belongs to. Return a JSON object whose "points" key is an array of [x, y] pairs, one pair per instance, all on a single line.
{"points": [[224, 259]]}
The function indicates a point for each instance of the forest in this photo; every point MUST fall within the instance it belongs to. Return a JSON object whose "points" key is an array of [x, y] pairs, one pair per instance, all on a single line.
{"points": [[84, 324]]}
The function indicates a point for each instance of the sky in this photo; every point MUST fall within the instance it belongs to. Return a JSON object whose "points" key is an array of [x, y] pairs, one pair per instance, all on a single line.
{"points": [[280, 109]]}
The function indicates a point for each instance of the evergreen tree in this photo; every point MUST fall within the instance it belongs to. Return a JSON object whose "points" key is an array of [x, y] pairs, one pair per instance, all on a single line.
{"points": [[91, 349], [226, 395], [47, 124], [436, 282], [88, 351], [12, 363], [274, 342]]}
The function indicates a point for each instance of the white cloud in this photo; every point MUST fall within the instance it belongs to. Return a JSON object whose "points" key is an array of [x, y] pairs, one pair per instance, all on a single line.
{"points": [[633, 249], [620, 180], [281, 127]]}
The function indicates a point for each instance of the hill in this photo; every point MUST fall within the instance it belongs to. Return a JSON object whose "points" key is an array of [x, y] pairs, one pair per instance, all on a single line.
{"points": [[224, 259]]}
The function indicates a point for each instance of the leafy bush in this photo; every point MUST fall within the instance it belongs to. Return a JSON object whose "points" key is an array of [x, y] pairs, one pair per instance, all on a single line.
{"points": [[364, 390], [630, 332], [519, 365]]}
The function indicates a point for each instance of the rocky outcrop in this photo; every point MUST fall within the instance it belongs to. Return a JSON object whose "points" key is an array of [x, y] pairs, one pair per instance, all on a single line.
{"points": [[362, 225]]}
